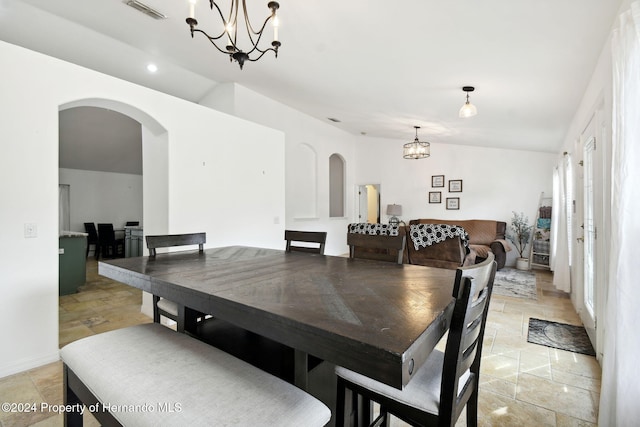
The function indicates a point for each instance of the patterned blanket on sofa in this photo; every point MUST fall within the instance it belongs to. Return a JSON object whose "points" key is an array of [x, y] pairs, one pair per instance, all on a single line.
{"points": [[375, 229], [424, 235]]}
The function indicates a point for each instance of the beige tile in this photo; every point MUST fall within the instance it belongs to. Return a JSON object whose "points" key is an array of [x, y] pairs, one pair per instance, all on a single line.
{"points": [[48, 381], [496, 410], [575, 363], [562, 398], [580, 381], [497, 366], [563, 420], [73, 333], [506, 343], [20, 390], [497, 386], [534, 364]]}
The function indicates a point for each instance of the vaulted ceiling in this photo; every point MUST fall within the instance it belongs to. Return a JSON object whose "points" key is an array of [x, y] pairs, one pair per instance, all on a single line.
{"points": [[379, 67]]}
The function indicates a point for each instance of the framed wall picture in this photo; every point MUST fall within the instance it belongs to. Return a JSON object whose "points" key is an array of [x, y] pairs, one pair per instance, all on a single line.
{"points": [[435, 197], [453, 203], [437, 181], [455, 186]]}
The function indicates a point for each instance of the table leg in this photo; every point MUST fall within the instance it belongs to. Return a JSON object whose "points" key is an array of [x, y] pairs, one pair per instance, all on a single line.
{"points": [[300, 367]]}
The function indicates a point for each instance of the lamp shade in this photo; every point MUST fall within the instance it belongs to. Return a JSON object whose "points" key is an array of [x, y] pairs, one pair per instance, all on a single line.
{"points": [[394, 210], [468, 110]]}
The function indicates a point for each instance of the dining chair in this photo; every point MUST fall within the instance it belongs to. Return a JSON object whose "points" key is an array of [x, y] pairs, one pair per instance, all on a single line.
{"points": [[109, 245], [438, 392], [92, 238], [377, 246], [184, 317], [309, 237]]}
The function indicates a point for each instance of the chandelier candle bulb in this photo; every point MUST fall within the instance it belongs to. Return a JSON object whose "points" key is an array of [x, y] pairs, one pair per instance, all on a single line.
{"points": [[276, 24], [192, 9]]}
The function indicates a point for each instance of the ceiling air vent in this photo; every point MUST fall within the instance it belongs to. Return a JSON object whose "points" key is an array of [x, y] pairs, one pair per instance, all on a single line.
{"points": [[147, 10]]}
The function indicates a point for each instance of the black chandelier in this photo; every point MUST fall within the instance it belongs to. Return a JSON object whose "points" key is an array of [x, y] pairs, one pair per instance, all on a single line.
{"points": [[230, 30]]}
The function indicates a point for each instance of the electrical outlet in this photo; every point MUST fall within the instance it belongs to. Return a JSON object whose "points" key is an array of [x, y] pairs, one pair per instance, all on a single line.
{"points": [[30, 230]]}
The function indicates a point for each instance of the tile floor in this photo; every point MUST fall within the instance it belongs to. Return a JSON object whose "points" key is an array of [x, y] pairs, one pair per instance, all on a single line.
{"points": [[522, 384]]}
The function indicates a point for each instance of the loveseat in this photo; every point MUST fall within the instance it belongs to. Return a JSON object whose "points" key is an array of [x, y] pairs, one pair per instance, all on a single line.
{"points": [[458, 248]]}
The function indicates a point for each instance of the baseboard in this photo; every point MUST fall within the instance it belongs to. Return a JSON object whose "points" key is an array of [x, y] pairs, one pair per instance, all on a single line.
{"points": [[25, 365]]}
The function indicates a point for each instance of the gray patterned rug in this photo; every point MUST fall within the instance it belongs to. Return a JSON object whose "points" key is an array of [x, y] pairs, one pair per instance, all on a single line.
{"points": [[515, 283], [560, 335]]}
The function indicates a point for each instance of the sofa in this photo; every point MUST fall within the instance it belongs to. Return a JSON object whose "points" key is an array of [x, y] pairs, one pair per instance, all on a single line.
{"points": [[452, 248], [376, 253]]}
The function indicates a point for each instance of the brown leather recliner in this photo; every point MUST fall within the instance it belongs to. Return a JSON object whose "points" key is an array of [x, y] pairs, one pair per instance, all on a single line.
{"points": [[484, 236]]}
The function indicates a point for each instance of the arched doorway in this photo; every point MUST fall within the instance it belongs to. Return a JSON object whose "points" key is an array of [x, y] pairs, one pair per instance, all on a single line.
{"points": [[153, 147]]}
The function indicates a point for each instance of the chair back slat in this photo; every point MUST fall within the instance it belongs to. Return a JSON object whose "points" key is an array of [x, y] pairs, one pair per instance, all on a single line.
{"points": [[472, 290], [90, 229], [314, 237], [170, 240]]}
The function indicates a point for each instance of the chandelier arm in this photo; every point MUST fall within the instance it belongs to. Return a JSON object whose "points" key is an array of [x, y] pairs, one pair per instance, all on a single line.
{"points": [[233, 19], [254, 45], [262, 52], [212, 39], [248, 22], [232, 16]]}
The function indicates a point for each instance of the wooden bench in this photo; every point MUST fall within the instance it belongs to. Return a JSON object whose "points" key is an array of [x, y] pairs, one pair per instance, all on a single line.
{"points": [[151, 375]]}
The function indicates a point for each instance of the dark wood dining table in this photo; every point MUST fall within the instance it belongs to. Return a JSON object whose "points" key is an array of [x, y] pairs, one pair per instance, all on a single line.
{"points": [[377, 318]]}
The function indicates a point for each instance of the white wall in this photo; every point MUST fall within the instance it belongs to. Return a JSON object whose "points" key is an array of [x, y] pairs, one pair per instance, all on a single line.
{"points": [[102, 197], [206, 185], [495, 181], [595, 107], [316, 138]]}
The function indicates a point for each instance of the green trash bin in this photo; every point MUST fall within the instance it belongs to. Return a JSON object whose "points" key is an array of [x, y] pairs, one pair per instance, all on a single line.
{"points": [[72, 261]]}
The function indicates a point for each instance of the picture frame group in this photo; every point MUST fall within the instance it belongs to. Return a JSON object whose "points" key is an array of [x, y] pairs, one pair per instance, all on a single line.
{"points": [[454, 186]]}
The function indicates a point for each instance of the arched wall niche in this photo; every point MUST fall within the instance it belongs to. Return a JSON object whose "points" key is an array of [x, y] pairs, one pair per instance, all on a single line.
{"points": [[337, 177]]}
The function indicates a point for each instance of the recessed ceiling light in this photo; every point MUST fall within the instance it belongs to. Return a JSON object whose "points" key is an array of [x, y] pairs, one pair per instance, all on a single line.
{"points": [[152, 68]]}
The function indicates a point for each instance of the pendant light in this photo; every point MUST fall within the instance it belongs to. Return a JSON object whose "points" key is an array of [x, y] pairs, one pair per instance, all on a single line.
{"points": [[416, 150], [468, 109]]}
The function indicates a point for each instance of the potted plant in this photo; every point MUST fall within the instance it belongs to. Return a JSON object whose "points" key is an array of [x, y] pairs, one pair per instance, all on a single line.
{"points": [[520, 234]]}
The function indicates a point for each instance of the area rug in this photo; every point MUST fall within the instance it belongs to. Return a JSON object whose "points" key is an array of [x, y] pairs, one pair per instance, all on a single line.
{"points": [[560, 335], [515, 283]]}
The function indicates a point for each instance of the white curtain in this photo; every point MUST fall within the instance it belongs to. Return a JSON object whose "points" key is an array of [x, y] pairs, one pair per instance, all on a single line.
{"points": [[620, 391], [559, 262]]}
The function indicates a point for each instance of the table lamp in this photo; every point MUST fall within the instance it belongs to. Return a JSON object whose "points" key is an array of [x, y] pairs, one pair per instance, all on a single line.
{"points": [[394, 211]]}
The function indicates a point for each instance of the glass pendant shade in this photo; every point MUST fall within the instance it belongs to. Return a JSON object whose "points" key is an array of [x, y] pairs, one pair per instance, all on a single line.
{"points": [[468, 110]]}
